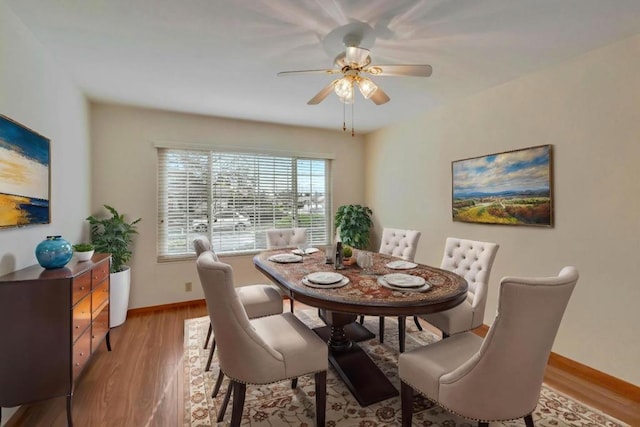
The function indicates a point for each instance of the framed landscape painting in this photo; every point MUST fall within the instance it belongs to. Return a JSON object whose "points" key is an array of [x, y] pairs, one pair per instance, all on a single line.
{"points": [[24, 175], [511, 188]]}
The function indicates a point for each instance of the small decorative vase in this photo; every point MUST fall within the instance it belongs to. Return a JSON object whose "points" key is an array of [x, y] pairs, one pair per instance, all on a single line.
{"points": [[54, 252]]}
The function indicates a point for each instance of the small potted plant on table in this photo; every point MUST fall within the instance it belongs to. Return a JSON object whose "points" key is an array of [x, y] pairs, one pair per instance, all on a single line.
{"points": [[347, 255], [84, 251]]}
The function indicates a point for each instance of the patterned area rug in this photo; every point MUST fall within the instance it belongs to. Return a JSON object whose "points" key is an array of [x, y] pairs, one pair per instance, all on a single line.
{"points": [[279, 405]]}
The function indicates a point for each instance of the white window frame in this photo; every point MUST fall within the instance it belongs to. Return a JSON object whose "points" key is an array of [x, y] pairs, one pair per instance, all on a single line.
{"points": [[166, 215]]}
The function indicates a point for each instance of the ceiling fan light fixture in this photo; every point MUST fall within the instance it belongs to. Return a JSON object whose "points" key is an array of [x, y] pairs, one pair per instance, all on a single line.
{"points": [[348, 99], [344, 89], [367, 87]]}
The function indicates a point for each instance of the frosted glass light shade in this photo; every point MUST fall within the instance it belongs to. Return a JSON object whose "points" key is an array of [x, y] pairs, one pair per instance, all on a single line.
{"points": [[344, 89], [367, 87]]}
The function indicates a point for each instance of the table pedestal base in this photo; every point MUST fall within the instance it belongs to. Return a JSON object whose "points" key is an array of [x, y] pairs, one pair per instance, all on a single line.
{"points": [[362, 377]]}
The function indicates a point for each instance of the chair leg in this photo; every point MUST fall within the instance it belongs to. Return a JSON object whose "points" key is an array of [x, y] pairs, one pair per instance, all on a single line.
{"points": [[239, 391], [294, 383], [528, 420], [482, 424], [362, 319], [291, 304], [213, 348], [406, 397], [321, 397], [216, 389], [225, 402], [402, 331], [417, 322], [381, 329], [206, 341], [445, 335]]}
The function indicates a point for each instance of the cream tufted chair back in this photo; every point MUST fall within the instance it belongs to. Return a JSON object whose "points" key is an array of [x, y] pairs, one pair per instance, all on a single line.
{"points": [[399, 243], [202, 244], [499, 377], [472, 260], [285, 237]]}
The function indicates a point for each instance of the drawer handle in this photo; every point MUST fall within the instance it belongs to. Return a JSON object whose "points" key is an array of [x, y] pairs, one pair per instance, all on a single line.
{"points": [[77, 364], [82, 353], [82, 288], [77, 326]]}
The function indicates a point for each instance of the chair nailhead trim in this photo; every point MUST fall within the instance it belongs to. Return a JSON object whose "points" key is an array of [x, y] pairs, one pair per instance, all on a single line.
{"points": [[460, 415]]}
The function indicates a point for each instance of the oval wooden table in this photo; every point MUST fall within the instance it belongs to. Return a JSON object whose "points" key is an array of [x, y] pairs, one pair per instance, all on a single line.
{"points": [[339, 308]]}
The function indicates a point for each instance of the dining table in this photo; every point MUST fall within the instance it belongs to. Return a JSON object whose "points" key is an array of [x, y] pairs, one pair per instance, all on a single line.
{"points": [[360, 292]]}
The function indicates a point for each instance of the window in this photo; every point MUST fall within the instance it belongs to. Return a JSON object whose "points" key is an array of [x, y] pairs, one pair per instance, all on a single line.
{"points": [[233, 198]]}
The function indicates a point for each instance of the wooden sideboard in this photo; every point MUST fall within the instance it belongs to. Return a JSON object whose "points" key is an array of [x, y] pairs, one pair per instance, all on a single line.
{"points": [[51, 322]]}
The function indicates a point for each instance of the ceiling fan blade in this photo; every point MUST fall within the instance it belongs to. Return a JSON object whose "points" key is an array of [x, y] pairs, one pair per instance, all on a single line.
{"points": [[320, 96], [400, 70], [292, 73], [379, 97]]}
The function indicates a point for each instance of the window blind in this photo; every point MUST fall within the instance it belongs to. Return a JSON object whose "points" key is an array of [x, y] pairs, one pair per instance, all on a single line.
{"points": [[233, 198]]}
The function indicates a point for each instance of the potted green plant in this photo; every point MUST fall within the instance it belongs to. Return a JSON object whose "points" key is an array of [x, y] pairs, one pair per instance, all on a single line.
{"points": [[354, 223], [347, 255], [114, 235], [83, 251]]}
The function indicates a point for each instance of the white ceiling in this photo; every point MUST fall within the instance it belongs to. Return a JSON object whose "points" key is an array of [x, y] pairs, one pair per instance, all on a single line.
{"points": [[220, 57]]}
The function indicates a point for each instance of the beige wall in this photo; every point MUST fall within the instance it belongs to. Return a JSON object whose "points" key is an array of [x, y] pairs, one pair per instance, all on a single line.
{"points": [[35, 92], [588, 109], [124, 176]]}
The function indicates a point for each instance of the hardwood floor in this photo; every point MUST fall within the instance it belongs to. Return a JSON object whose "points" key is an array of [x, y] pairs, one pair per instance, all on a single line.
{"points": [[139, 383]]}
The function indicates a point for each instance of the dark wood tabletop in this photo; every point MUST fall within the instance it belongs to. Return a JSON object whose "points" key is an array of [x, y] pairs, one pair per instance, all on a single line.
{"points": [[363, 294]]}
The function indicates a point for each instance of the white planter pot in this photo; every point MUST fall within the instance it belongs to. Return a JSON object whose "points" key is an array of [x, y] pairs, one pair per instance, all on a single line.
{"points": [[84, 256], [120, 284]]}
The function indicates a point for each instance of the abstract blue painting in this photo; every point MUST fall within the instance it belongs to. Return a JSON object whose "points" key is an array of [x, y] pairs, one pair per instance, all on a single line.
{"points": [[24, 175]]}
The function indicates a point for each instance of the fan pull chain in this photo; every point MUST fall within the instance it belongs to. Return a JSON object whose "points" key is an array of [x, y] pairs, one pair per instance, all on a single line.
{"points": [[344, 117], [352, 131]]}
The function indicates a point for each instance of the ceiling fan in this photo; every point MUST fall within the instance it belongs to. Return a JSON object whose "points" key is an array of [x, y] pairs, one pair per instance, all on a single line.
{"points": [[353, 63]]}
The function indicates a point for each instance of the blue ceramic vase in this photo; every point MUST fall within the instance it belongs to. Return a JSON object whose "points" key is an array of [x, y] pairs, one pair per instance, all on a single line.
{"points": [[54, 252]]}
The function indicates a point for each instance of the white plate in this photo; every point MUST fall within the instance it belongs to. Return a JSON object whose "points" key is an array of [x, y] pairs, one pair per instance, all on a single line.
{"points": [[401, 280], [324, 277], [401, 265], [384, 283], [341, 283], [285, 258], [308, 251]]}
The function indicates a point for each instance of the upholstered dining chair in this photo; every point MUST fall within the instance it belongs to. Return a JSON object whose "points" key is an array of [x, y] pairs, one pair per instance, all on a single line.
{"points": [[401, 244], [472, 260], [499, 377], [286, 238], [258, 301], [259, 351]]}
